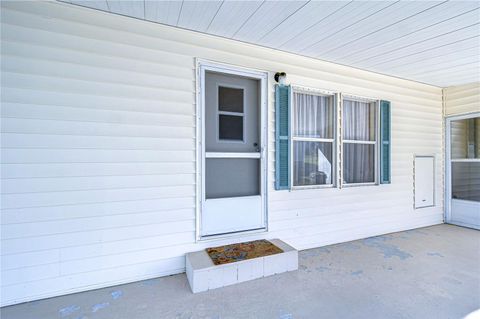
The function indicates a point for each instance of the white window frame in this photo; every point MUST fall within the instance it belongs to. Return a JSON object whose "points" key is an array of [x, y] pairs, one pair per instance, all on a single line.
{"points": [[376, 169], [318, 92], [239, 114]]}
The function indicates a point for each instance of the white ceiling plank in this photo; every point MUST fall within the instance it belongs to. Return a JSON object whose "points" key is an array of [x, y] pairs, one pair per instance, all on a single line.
{"points": [[231, 16], [427, 54], [380, 19], [197, 15], [165, 12], [441, 77], [455, 69], [266, 18], [451, 79], [442, 61], [344, 19], [435, 42], [94, 4], [429, 27], [434, 77], [305, 18], [386, 19], [132, 8]]}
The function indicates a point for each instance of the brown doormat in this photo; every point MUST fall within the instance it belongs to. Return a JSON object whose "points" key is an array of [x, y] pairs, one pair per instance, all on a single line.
{"points": [[242, 251]]}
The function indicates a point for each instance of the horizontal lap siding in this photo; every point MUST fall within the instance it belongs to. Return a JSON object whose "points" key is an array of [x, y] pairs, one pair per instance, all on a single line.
{"points": [[98, 161], [462, 99], [98, 150]]}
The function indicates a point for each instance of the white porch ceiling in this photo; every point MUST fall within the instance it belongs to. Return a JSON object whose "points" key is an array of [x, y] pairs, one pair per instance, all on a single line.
{"points": [[435, 42]]}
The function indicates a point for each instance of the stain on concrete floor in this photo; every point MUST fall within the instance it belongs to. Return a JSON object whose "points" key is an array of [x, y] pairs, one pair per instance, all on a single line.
{"points": [[433, 272]]}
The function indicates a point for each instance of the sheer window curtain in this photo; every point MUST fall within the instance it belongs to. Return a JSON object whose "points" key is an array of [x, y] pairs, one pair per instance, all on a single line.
{"points": [[313, 139], [359, 141], [313, 116]]}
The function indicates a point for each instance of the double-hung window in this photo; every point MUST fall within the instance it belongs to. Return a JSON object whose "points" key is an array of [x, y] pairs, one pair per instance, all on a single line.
{"points": [[359, 132], [313, 135]]}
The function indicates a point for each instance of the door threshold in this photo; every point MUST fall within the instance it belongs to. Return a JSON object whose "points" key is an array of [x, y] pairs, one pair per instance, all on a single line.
{"points": [[232, 234]]}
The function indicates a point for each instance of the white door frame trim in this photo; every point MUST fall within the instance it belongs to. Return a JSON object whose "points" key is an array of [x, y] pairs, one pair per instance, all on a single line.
{"points": [[448, 160], [202, 66]]}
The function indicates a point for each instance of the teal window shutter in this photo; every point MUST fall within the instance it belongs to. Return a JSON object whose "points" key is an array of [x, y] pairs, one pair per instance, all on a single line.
{"points": [[385, 140], [282, 137]]}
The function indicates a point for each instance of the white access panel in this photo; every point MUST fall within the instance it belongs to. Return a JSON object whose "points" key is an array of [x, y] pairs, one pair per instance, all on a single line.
{"points": [[424, 179]]}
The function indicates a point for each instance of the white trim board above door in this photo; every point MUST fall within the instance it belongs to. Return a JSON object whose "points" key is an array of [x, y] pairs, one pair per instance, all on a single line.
{"points": [[230, 214]]}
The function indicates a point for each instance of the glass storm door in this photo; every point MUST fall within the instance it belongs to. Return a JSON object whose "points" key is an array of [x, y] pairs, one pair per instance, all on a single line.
{"points": [[463, 171], [233, 157]]}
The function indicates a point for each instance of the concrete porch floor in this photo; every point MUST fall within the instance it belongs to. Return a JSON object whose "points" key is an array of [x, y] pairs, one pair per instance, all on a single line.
{"points": [[432, 272]]}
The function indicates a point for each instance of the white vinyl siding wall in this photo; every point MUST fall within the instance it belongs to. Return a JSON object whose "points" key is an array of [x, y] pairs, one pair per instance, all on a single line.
{"points": [[462, 99], [98, 150]]}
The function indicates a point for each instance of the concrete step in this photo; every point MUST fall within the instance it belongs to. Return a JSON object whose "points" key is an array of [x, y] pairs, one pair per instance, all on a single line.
{"points": [[204, 275]]}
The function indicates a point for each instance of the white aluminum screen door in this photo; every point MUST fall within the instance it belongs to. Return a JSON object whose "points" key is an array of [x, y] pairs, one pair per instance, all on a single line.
{"points": [[233, 170], [463, 170]]}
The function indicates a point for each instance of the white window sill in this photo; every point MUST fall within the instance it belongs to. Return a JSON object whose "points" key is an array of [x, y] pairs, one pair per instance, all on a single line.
{"points": [[324, 186], [360, 184]]}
